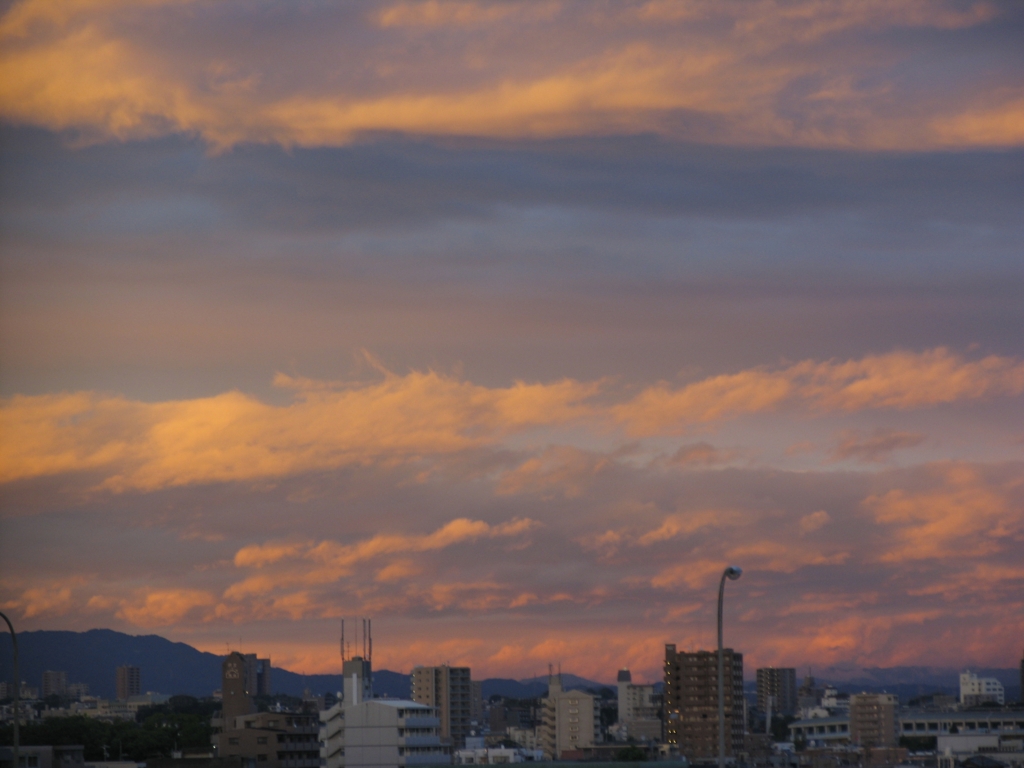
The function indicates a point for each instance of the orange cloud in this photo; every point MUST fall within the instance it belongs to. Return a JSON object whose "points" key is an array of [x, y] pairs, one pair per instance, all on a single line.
{"points": [[442, 13], [727, 69], [963, 517], [561, 470], [163, 607], [687, 523], [874, 447], [814, 521], [47, 600], [232, 437], [894, 380], [324, 562]]}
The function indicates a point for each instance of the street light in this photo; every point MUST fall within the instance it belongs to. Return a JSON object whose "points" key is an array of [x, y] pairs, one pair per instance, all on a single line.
{"points": [[17, 687], [732, 573]]}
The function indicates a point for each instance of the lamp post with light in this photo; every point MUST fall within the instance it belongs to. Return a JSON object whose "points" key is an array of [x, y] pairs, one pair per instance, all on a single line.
{"points": [[732, 573]]}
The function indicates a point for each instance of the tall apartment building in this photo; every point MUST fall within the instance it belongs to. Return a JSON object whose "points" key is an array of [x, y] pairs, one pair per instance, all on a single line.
{"points": [[976, 690], [257, 675], [691, 702], [128, 682], [571, 720], [780, 684], [449, 690], [638, 708], [260, 739], [873, 719], [55, 683]]}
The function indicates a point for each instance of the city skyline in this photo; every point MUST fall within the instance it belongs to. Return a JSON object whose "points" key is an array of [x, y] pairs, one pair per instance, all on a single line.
{"points": [[512, 324]]}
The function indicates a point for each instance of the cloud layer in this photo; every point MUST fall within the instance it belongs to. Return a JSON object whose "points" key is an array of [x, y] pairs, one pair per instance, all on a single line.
{"points": [[808, 73], [425, 415]]}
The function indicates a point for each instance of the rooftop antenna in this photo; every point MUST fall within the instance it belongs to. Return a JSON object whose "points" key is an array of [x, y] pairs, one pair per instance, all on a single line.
{"points": [[369, 628], [343, 640]]}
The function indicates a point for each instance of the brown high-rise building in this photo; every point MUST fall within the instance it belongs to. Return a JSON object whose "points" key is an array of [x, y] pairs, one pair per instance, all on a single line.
{"points": [[780, 684], [265, 739], [448, 689], [235, 696], [873, 719], [128, 681], [691, 702]]}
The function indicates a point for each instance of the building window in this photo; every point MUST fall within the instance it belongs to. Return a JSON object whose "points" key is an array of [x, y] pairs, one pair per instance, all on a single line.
{"points": [[233, 741], [261, 758]]}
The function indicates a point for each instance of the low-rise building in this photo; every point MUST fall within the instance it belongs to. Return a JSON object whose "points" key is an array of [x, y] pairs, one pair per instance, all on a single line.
{"points": [[44, 757], [976, 690]]}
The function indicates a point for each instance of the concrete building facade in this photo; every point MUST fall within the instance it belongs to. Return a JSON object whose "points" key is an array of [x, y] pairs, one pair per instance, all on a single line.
{"points": [[976, 690], [54, 683], [450, 691], [570, 722], [385, 733], [128, 681], [257, 675], [778, 683], [874, 719], [260, 739], [691, 702], [639, 709]]}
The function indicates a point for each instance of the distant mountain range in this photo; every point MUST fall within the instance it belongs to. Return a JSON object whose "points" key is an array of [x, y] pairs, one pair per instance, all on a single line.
{"points": [[168, 667]]}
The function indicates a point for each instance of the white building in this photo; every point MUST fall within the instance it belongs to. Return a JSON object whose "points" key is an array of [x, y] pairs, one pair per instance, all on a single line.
{"points": [[390, 733], [638, 709], [362, 732], [976, 690]]}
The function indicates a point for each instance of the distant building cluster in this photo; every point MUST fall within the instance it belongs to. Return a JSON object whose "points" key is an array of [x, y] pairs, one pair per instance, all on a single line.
{"points": [[778, 723]]}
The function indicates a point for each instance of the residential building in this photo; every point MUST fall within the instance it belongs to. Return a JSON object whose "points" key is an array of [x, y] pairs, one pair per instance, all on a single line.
{"points": [[128, 682], [449, 689], [384, 733], [976, 690], [55, 683], [358, 687], [504, 716], [916, 723], [257, 675], [263, 739], [77, 691], [809, 695], [691, 702], [526, 738], [873, 719], [476, 703], [776, 690], [821, 731], [638, 709], [571, 720], [44, 757]]}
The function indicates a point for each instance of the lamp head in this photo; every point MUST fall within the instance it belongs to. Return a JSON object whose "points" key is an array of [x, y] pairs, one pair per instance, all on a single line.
{"points": [[733, 572]]}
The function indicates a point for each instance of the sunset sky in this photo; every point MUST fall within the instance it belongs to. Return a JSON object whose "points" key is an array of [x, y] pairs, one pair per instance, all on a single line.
{"points": [[511, 324]]}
